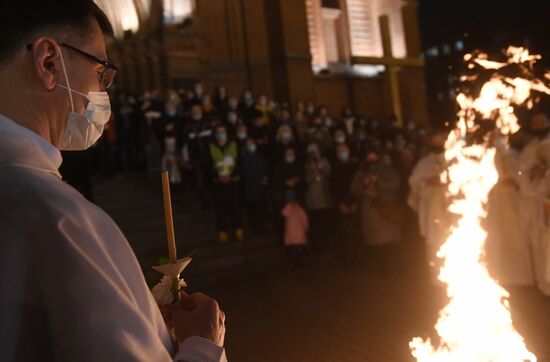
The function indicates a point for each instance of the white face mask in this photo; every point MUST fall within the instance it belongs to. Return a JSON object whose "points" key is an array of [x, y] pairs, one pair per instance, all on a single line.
{"points": [[84, 129], [251, 147], [232, 118], [343, 156]]}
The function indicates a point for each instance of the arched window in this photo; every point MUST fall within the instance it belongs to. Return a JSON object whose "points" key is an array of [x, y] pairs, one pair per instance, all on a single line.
{"points": [[175, 11]]}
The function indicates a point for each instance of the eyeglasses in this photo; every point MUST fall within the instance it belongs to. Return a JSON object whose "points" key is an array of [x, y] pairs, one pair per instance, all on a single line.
{"points": [[106, 76]]}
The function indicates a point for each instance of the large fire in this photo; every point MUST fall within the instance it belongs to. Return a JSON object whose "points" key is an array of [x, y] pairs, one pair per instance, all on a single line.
{"points": [[476, 325]]}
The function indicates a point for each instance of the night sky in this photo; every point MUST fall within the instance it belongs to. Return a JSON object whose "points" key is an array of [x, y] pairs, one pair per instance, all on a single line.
{"points": [[490, 24]]}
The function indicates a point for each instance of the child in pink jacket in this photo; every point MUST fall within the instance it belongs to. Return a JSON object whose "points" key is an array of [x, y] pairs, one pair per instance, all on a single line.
{"points": [[296, 226]]}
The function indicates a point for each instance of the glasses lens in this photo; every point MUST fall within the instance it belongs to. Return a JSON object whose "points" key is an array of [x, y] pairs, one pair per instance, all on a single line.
{"points": [[108, 77]]}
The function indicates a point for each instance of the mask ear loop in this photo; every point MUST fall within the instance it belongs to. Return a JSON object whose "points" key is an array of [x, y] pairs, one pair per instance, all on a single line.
{"points": [[67, 80]]}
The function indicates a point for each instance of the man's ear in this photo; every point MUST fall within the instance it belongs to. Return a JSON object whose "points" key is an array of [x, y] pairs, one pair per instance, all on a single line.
{"points": [[47, 62]]}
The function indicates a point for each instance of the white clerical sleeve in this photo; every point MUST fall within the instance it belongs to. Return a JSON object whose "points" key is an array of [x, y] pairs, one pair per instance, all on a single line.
{"points": [[103, 309], [98, 304], [197, 349]]}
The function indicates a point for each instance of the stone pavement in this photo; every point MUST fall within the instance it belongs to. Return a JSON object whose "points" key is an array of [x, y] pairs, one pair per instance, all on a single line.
{"points": [[326, 313], [322, 312]]}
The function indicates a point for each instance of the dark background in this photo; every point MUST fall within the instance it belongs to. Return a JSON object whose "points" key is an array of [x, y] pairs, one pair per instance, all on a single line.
{"points": [[487, 25]]}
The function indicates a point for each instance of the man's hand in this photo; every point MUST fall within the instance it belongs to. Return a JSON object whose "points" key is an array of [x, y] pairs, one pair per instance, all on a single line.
{"points": [[225, 179], [199, 315]]}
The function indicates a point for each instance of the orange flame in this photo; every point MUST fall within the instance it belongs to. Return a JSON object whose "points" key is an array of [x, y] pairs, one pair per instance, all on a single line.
{"points": [[476, 325]]}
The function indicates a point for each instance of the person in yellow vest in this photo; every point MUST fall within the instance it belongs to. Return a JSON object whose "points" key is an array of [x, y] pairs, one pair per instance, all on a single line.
{"points": [[224, 155]]}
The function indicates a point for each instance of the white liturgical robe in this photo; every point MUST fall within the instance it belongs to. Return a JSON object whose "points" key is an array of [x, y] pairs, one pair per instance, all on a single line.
{"points": [[71, 286], [507, 248], [535, 191], [430, 204]]}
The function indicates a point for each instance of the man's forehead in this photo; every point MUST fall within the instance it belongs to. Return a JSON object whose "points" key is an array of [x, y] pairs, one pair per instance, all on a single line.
{"points": [[95, 43]]}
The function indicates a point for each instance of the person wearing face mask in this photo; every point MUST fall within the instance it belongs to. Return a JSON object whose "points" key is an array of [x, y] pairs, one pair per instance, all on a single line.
{"points": [[73, 289], [318, 198], [339, 138], [288, 174], [361, 143], [254, 176], [197, 136], [534, 186], [310, 111], [427, 197], [375, 186], [320, 135], [263, 107], [226, 185], [284, 138], [231, 120], [346, 228], [348, 121], [171, 141], [208, 108], [190, 99], [259, 131], [240, 136], [233, 104], [373, 127], [301, 126], [247, 107], [199, 92], [220, 99]]}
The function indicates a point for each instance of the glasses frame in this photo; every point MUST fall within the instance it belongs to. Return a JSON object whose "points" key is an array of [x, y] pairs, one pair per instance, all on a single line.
{"points": [[105, 63]]}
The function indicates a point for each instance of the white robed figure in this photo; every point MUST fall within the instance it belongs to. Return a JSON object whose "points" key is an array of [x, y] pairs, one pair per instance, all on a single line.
{"points": [[507, 250], [427, 198], [534, 181], [71, 287]]}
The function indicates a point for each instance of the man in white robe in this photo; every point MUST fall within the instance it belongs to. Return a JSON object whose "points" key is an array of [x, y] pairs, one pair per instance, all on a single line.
{"points": [[71, 287], [427, 199], [534, 181]]}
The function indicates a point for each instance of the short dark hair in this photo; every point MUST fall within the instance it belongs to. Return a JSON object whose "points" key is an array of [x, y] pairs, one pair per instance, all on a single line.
{"points": [[22, 19]]}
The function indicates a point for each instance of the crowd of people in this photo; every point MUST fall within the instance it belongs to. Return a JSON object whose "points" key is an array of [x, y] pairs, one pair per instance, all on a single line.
{"points": [[257, 161], [342, 183]]}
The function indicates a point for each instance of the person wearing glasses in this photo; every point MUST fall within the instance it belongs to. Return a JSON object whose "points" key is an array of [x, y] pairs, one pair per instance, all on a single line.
{"points": [[71, 287]]}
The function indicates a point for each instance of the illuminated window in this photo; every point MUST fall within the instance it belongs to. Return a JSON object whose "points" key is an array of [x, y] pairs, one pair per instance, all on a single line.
{"points": [[175, 11], [339, 29], [327, 36], [459, 46], [125, 15], [365, 36]]}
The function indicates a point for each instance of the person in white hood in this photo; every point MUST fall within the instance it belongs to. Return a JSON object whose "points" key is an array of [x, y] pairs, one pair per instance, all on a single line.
{"points": [[71, 287]]}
